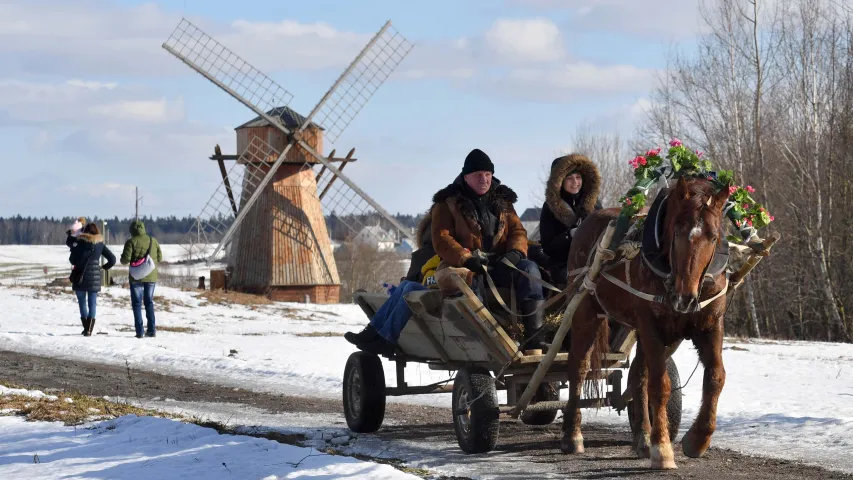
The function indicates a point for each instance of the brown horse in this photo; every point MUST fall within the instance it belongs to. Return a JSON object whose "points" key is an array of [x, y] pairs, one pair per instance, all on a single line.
{"points": [[691, 234]]}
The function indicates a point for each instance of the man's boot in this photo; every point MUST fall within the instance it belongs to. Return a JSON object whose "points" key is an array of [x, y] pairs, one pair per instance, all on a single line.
{"points": [[90, 327], [533, 342], [85, 322], [365, 336]]}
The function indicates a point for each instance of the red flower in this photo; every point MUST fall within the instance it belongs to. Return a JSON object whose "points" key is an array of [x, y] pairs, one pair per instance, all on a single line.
{"points": [[653, 152], [746, 206], [675, 142], [772, 218], [750, 189], [732, 190], [627, 201]]}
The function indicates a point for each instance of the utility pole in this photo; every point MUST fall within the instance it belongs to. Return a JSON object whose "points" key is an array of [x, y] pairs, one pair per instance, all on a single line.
{"points": [[136, 215]]}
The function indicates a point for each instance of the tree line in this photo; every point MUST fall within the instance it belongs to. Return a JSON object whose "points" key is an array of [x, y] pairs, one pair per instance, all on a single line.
{"points": [[20, 230]]}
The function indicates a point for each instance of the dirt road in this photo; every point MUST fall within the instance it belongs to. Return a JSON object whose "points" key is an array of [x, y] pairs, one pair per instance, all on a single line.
{"points": [[608, 451]]}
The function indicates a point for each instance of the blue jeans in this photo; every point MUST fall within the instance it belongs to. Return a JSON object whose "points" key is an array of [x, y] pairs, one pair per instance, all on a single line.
{"points": [[142, 293], [87, 307], [393, 315]]}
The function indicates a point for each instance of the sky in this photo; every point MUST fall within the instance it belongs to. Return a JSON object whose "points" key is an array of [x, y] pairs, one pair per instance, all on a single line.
{"points": [[92, 107]]}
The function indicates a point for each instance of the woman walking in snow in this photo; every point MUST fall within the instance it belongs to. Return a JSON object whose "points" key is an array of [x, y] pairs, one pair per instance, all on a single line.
{"points": [[86, 251], [142, 250]]}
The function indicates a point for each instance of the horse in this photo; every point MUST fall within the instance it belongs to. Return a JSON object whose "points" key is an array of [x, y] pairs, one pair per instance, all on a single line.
{"points": [[692, 232]]}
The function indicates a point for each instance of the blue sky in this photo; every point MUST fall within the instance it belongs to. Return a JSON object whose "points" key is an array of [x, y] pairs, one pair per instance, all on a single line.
{"points": [[91, 105]]}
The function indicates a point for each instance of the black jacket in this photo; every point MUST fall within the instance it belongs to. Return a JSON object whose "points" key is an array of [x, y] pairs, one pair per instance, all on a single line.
{"points": [[86, 252], [560, 213]]}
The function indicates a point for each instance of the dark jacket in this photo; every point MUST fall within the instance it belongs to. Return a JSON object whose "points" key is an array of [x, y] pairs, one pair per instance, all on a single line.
{"points": [[424, 251], [86, 252], [461, 224], [562, 211], [135, 248]]}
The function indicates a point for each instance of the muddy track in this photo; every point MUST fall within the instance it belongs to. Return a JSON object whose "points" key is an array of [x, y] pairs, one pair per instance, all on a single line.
{"points": [[608, 451]]}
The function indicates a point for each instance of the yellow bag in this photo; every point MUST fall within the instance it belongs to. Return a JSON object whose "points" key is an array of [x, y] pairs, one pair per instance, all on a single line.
{"points": [[428, 272]]}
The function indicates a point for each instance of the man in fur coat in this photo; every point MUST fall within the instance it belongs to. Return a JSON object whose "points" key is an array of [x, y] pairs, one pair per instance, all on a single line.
{"points": [[476, 212], [570, 195]]}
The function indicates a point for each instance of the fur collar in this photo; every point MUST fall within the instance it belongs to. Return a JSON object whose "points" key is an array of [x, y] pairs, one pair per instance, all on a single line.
{"points": [[500, 197], [93, 239], [590, 189]]}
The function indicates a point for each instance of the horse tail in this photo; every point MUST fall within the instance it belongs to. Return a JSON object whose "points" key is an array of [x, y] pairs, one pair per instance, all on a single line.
{"points": [[600, 347]]}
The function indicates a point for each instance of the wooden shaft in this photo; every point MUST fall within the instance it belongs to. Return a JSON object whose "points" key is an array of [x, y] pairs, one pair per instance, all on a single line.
{"points": [[565, 323], [343, 164], [227, 185], [753, 261], [323, 168]]}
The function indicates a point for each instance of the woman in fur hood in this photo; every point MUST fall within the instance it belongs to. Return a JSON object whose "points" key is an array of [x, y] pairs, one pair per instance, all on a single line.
{"points": [[570, 195], [86, 252]]}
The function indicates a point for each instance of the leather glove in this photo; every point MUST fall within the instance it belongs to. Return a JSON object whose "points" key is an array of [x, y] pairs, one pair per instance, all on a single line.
{"points": [[514, 256], [475, 265]]}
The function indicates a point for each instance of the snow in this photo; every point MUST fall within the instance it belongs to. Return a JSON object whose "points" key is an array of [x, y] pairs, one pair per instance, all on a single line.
{"points": [[132, 447], [790, 400]]}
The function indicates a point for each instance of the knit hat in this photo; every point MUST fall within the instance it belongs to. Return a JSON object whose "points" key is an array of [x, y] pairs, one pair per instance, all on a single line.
{"points": [[477, 161]]}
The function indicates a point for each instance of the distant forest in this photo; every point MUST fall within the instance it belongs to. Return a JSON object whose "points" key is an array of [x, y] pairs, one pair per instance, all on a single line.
{"points": [[20, 230]]}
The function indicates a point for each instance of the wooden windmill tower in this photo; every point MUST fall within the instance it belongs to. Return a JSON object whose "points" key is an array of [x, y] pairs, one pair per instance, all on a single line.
{"points": [[270, 207]]}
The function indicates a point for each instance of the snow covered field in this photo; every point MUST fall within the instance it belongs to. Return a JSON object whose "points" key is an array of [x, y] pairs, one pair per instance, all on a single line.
{"points": [[132, 447], [790, 400]]}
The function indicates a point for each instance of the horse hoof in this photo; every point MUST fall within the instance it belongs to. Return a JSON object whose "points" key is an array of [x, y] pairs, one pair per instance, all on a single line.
{"points": [[694, 446], [642, 446], [662, 457], [664, 465], [571, 445]]}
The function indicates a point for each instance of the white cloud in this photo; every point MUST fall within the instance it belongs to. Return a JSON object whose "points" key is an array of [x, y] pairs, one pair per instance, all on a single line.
{"points": [[570, 80], [657, 19], [82, 101], [157, 111], [91, 85], [536, 40]]}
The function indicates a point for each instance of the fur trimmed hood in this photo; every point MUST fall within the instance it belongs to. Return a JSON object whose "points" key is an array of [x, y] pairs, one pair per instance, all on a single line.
{"points": [[88, 237], [560, 169]]}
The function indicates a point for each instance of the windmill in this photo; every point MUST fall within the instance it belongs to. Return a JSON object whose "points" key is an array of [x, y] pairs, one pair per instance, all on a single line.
{"points": [[269, 211]]}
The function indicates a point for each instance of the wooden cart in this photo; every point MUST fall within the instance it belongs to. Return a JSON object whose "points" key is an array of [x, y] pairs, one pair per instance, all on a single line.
{"points": [[461, 334]]}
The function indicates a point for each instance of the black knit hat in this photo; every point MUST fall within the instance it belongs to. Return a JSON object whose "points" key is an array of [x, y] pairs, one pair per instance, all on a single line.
{"points": [[477, 161]]}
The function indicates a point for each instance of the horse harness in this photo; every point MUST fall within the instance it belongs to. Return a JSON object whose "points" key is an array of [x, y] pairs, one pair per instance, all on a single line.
{"points": [[652, 255]]}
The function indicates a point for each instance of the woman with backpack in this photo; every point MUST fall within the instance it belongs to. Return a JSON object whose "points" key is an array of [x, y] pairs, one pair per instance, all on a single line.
{"points": [[142, 252], [87, 248]]}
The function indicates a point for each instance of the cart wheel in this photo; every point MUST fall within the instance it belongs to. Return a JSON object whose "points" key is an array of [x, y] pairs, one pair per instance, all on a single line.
{"points": [[545, 393], [673, 406], [475, 411], [364, 392]]}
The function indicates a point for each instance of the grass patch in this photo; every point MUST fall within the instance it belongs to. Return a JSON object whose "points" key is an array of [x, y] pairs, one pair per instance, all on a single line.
{"points": [[82, 409], [223, 297], [167, 328], [319, 334]]}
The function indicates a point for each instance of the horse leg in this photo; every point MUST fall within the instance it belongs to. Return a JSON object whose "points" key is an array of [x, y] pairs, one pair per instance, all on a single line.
{"points": [[710, 348], [584, 331], [638, 378], [662, 456]]}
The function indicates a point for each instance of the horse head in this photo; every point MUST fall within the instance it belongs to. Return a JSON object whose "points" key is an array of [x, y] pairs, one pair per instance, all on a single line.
{"points": [[691, 235]]}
